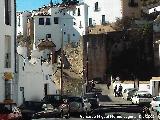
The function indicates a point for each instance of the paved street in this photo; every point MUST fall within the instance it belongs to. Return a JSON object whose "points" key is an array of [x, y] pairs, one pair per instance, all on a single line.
{"points": [[108, 98]]}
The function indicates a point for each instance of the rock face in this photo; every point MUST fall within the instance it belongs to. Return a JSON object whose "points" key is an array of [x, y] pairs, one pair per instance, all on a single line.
{"points": [[72, 76], [74, 56]]}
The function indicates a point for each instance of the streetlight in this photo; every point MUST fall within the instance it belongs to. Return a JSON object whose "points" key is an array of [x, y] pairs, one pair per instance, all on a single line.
{"points": [[61, 80], [86, 86]]}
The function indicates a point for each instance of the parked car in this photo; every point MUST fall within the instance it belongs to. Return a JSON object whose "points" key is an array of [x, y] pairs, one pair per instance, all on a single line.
{"points": [[55, 100], [155, 102], [9, 111], [28, 108], [157, 109], [94, 103], [77, 105], [141, 97], [87, 105], [64, 109], [128, 93], [48, 112]]}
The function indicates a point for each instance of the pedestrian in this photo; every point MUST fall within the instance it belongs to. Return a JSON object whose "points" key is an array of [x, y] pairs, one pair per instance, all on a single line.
{"points": [[115, 91], [120, 90], [92, 84], [108, 84]]}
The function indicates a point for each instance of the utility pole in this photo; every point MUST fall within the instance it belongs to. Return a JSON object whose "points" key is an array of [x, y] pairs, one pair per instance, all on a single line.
{"points": [[86, 86], [61, 81]]}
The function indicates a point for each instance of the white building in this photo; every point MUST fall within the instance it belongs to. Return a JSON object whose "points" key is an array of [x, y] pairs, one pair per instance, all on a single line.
{"points": [[7, 48], [22, 18], [58, 22], [69, 22], [35, 79], [102, 11]]}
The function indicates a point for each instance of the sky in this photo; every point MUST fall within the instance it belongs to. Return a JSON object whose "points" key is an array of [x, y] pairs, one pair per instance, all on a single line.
{"points": [[29, 5]]}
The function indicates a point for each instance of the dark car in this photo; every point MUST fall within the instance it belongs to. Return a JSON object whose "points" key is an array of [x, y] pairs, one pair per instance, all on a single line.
{"points": [[58, 102], [55, 100], [76, 105], [9, 111], [94, 97], [28, 108], [94, 103], [48, 112]]}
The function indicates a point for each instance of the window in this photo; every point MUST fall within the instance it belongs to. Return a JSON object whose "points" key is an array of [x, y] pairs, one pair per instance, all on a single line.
{"points": [[80, 24], [8, 89], [103, 19], [7, 51], [79, 12], [64, 33], [74, 12], [68, 37], [55, 20], [41, 21], [45, 89], [48, 35], [90, 21], [133, 3], [46, 77], [96, 6], [19, 24], [73, 34], [8, 12], [48, 21]]}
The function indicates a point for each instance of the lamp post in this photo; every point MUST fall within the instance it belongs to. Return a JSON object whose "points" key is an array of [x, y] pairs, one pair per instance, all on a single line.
{"points": [[61, 80], [86, 86]]}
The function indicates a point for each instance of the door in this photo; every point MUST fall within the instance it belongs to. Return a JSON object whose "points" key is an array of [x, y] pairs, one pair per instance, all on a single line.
{"points": [[45, 89]]}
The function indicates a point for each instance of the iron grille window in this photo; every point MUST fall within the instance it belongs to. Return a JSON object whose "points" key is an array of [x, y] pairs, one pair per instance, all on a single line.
{"points": [[79, 13], [103, 19], [90, 21], [48, 21], [7, 57], [41, 21], [56, 20], [8, 12], [96, 6], [133, 3]]}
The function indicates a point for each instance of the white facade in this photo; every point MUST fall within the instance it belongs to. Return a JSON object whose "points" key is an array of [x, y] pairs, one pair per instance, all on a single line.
{"points": [[22, 18], [33, 77], [109, 9], [64, 22], [41, 31], [7, 44]]}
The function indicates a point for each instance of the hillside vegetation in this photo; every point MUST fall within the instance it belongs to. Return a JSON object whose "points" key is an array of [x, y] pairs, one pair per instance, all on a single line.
{"points": [[149, 2]]}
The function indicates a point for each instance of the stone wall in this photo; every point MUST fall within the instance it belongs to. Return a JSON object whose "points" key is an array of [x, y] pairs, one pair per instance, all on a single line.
{"points": [[97, 56]]}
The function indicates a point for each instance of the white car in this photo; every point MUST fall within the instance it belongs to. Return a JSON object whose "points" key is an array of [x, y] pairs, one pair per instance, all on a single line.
{"points": [[128, 93], [141, 97], [155, 102]]}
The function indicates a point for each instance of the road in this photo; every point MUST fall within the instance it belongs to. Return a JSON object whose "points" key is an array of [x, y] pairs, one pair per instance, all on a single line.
{"points": [[108, 100], [108, 96]]}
